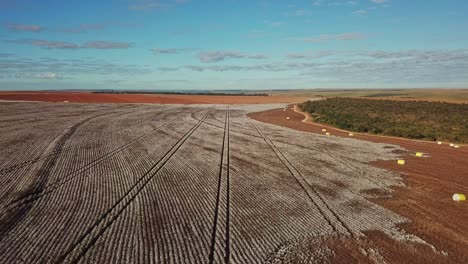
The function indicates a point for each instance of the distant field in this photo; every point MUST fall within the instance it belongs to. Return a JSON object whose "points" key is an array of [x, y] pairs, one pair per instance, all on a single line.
{"points": [[444, 95], [415, 119], [293, 96], [90, 97]]}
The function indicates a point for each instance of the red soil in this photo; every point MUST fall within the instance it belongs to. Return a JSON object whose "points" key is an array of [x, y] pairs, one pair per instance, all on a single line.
{"points": [[430, 183], [88, 97]]}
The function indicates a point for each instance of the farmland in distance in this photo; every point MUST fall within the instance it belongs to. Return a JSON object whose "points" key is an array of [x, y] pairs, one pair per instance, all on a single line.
{"points": [[107, 183]]}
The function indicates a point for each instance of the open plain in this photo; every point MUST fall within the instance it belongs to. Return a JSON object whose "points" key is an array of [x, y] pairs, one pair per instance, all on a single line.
{"points": [[128, 183], [90, 97]]}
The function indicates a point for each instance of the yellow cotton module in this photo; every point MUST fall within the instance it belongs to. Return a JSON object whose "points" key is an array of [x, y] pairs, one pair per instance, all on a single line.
{"points": [[458, 197]]}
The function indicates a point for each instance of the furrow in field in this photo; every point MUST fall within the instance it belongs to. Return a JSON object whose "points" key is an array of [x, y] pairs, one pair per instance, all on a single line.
{"points": [[87, 240], [334, 220], [41, 175], [219, 248], [14, 163], [33, 196], [267, 206], [93, 194], [54, 152], [176, 207]]}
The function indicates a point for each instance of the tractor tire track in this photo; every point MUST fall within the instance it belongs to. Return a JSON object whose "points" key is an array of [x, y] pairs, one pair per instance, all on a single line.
{"points": [[23, 164], [227, 254], [230, 130], [336, 223], [13, 217], [223, 167], [46, 156], [92, 234], [33, 196], [327, 152]]}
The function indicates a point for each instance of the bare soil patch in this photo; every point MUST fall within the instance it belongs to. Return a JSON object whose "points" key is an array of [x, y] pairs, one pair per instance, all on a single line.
{"points": [[88, 97]]}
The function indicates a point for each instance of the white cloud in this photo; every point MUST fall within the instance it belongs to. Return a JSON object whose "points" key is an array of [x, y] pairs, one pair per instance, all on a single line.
{"points": [[360, 12], [300, 12], [45, 75], [52, 44], [15, 66], [320, 54], [48, 44], [274, 23], [106, 45], [333, 3], [83, 28], [392, 67], [146, 5], [28, 28], [170, 51], [216, 56]]}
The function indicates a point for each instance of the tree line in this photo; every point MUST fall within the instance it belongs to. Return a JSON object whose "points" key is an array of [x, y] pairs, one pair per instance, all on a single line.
{"points": [[410, 119]]}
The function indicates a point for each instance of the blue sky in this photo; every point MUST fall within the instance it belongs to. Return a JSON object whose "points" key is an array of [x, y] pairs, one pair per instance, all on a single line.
{"points": [[234, 44]]}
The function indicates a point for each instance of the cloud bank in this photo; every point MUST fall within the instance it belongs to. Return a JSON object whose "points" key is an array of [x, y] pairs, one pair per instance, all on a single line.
{"points": [[48, 44], [26, 28], [217, 56]]}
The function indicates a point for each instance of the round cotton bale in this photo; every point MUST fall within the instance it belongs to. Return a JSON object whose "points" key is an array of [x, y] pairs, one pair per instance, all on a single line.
{"points": [[324, 130], [328, 134], [351, 134], [287, 118], [439, 142], [458, 197], [419, 154], [401, 162], [451, 144], [456, 146]]}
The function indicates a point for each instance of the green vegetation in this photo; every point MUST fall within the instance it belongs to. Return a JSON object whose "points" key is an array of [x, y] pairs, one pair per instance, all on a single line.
{"points": [[387, 95], [444, 95], [410, 119]]}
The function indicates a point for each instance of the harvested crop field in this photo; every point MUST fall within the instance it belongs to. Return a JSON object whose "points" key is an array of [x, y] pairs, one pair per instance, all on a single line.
{"points": [[128, 183], [89, 97], [426, 197]]}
